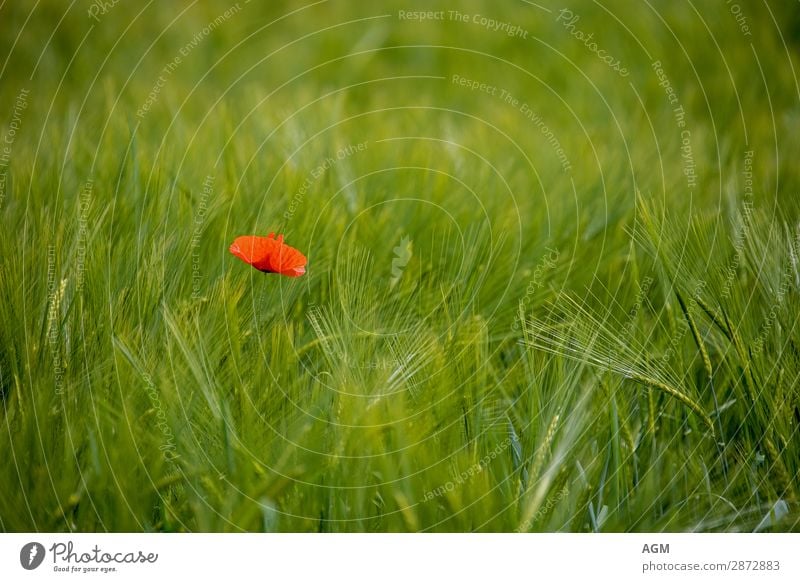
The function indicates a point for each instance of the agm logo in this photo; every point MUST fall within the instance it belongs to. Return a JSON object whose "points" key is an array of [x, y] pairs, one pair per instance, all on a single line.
{"points": [[31, 555]]}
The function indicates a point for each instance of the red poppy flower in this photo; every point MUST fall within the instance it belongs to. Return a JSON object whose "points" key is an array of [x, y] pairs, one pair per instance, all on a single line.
{"points": [[269, 254]]}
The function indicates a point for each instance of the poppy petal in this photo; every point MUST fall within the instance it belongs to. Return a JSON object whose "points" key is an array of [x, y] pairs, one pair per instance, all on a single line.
{"points": [[269, 254]]}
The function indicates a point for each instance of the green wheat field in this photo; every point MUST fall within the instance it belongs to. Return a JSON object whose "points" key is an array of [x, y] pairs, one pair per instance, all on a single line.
{"points": [[553, 277]]}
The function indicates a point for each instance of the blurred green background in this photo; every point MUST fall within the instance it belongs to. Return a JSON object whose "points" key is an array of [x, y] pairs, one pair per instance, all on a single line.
{"points": [[552, 281]]}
